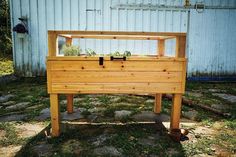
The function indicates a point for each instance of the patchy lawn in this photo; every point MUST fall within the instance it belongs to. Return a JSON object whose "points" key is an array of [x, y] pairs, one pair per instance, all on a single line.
{"points": [[6, 65], [115, 125]]}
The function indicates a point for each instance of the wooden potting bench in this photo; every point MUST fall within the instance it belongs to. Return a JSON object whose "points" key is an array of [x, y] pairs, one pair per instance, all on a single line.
{"points": [[156, 75]]}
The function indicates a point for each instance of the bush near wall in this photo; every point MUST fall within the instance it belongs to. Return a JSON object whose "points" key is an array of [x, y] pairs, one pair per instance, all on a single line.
{"points": [[5, 29]]}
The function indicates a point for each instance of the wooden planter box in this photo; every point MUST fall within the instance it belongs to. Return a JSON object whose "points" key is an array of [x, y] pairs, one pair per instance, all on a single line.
{"points": [[135, 74]]}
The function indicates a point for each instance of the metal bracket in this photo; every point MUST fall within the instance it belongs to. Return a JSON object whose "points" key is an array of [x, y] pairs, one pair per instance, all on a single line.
{"points": [[101, 59]]}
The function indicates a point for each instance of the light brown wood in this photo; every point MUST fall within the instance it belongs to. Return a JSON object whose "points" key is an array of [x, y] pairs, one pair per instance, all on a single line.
{"points": [[52, 43], [180, 46], [133, 88], [184, 73], [69, 96], [55, 114], [78, 76], [175, 111], [69, 32], [161, 47], [49, 81], [125, 37], [164, 66], [68, 41], [107, 58], [69, 106], [158, 103]]}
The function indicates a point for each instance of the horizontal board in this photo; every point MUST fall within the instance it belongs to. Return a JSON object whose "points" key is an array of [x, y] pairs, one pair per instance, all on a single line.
{"points": [[114, 77], [152, 58], [71, 32], [117, 65], [116, 88]]}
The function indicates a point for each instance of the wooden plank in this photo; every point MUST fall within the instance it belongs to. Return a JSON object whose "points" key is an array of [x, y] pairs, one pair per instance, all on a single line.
{"points": [[165, 66], [72, 88], [52, 43], [184, 73], [55, 114], [68, 41], [67, 32], [107, 58], [119, 37], [49, 82], [161, 47], [180, 46], [114, 77], [158, 103], [69, 106], [175, 111]]}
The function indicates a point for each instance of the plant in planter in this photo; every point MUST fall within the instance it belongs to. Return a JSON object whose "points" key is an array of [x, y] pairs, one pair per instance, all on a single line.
{"points": [[71, 50], [117, 53], [90, 52], [127, 53]]}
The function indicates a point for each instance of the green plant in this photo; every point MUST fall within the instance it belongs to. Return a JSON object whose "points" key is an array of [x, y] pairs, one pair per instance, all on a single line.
{"points": [[71, 50], [127, 53], [90, 52], [117, 53]]}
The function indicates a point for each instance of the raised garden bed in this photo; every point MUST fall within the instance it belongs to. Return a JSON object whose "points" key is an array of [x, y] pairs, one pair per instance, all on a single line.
{"points": [[156, 74]]}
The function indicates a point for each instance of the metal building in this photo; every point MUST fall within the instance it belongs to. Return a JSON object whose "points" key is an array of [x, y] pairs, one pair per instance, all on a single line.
{"points": [[210, 24]]}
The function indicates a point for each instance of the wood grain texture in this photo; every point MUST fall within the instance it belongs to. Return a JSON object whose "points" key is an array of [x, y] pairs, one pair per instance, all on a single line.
{"points": [[116, 88], [69, 107], [55, 114], [139, 65], [161, 47], [175, 111], [158, 103]]}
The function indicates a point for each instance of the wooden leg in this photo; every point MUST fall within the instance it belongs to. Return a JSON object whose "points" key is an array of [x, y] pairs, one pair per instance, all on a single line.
{"points": [[175, 111], [69, 103], [55, 114], [157, 105]]}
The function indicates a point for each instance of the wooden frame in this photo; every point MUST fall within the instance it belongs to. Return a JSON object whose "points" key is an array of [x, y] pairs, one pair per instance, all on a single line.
{"points": [[137, 74]]}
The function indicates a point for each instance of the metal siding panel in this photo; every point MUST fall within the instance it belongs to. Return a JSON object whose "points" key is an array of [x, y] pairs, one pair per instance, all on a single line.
{"points": [[211, 48], [106, 11], [26, 64], [42, 51], [50, 11], [74, 12], [90, 25], [66, 15], [12, 34], [18, 49], [58, 12], [34, 36], [82, 20]]}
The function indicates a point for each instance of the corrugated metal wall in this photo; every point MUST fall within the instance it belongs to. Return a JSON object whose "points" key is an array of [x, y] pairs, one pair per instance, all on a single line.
{"points": [[212, 42], [207, 54]]}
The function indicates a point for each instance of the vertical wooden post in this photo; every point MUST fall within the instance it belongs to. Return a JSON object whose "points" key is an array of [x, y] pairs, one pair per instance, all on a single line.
{"points": [[175, 111], [68, 41], [69, 97], [177, 98], [180, 46], [55, 114], [161, 47], [158, 96], [69, 107], [157, 106], [52, 43]]}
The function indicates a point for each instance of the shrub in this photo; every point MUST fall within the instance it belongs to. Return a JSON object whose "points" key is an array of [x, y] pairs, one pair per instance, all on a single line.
{"points": [[71, 50]]}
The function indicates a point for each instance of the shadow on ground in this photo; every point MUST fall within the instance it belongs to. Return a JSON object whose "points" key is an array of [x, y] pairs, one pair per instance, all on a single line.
{"points": [[108, 139]]}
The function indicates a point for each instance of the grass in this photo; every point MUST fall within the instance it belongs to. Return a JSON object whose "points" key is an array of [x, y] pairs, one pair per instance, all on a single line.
{"points": [[11, 137], [125, 138], [6, 65]]}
